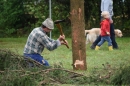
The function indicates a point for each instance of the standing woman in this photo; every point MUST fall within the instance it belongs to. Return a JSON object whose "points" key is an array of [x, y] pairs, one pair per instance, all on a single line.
{"points": [[107, 5]]}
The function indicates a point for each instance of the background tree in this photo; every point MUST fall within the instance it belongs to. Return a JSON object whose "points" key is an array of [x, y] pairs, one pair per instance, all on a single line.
{"points": [[11, 14], [27, 14], [78, 37]]}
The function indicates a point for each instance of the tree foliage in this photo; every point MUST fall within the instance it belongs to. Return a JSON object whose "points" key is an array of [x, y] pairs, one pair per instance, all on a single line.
{"points": [[17, 14], [11, 14], [14, 71]]}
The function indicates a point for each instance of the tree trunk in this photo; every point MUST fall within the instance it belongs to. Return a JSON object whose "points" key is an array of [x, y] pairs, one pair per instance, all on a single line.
{"points": [[78, 34]]}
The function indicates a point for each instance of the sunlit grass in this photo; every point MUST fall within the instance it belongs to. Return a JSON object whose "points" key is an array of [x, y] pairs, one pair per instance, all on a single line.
{"points": [[95, 59]]}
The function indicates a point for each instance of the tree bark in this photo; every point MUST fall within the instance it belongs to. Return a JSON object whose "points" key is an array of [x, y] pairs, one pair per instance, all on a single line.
{"points": [[78, 34]]}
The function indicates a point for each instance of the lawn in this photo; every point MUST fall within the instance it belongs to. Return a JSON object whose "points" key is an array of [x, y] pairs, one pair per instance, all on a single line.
{"points": [[95, 59]]}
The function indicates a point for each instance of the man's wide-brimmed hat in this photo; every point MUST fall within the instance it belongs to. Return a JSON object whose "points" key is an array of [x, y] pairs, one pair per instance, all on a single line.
{"points": [[48, 23]]}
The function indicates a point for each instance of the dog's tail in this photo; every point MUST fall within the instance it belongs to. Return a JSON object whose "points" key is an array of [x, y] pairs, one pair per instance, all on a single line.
{"points": [[86, 32], [90, 38]]}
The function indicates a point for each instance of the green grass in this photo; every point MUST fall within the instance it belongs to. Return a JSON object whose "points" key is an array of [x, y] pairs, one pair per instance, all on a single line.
{"points": [[95, 59]]}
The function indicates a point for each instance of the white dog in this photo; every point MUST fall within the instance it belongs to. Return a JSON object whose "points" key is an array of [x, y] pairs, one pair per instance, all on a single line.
{"points": [[93, 33]]}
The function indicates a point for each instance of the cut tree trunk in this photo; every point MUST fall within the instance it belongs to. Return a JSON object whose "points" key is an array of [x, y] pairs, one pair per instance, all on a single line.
{"points": [[78, 34]]}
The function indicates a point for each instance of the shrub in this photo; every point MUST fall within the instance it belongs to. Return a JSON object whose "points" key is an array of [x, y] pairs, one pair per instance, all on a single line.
{"points": [[122, 76]]}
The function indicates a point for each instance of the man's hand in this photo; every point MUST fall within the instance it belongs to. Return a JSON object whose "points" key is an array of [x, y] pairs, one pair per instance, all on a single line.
{"points": [[64, 43], [61, 37]]}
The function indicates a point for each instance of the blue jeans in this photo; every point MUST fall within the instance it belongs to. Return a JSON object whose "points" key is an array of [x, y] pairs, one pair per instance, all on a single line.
{"points": [[38, 58], [103, 39]]}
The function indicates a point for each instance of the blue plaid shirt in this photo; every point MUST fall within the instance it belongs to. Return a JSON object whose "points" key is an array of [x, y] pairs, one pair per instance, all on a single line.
{"points": [[37, 40]]}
